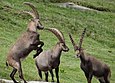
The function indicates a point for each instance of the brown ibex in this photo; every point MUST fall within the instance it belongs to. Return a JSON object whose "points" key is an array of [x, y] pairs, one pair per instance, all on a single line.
{"points": [[28, 41], [50, 59], [90, 65]]}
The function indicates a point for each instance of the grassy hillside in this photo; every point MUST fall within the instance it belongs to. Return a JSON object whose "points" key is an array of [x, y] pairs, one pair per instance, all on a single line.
{"points": [[99, 40], [103, 5]]}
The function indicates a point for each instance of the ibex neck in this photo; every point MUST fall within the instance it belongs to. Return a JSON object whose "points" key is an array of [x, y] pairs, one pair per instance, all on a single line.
{"points": [[56, 51], [83, 57], [32, 27]]}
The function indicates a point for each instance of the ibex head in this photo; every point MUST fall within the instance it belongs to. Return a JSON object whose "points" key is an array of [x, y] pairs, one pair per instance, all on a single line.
{"points": [[61, 39], [35, 21], [78, 49]]}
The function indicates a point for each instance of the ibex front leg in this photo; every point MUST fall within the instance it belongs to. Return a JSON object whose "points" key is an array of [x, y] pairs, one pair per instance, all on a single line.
{"points": [[89, 77], [39, 49], [51, 72], [41, 43], [46, 76], [57, 76]]}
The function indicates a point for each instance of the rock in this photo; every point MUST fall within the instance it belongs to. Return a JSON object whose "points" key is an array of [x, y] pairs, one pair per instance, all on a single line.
{"points": [[10, 81], [74, 6]]}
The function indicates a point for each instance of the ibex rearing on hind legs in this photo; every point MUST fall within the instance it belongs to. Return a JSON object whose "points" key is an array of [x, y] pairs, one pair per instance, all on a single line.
{"points": [[25, 44], [90, 65], [50, 59]]}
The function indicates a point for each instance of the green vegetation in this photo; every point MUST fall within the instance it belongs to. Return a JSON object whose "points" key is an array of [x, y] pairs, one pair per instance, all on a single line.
{"points": [[103, 5], [99, 40]]}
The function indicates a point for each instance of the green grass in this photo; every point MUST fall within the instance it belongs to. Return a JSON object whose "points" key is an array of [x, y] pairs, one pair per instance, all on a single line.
{"points": [[99, 40], [103, 5]]}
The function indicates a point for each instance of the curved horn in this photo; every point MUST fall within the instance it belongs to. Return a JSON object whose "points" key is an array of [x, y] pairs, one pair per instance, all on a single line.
{"points": [[57, 33], [28, 12], [73, 43], [33, 9], [81, 39]]}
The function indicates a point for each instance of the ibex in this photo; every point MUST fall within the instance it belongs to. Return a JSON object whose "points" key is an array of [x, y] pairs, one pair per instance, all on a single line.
{"points": [[50, 59], [28, 42], [90, 65]]}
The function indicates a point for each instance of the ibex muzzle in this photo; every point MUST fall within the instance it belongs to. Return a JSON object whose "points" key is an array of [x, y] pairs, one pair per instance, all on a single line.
{"points": [[64, 47], [38, 24]]}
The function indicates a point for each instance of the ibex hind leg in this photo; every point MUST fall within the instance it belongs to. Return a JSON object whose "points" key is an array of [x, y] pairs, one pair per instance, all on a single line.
{"points": [[15, 65], [12, 75], [107, 76], [21, 73], [101, 81], [107, 79]]}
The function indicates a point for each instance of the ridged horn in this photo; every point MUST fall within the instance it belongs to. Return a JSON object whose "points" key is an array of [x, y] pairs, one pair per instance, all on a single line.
{"points": [[34, 10], [73, 43], [57, 33], [28, 12], [81, 39]]}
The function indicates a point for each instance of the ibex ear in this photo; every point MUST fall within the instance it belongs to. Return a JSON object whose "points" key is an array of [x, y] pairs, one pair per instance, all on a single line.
{"points": [[73, 43]]}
